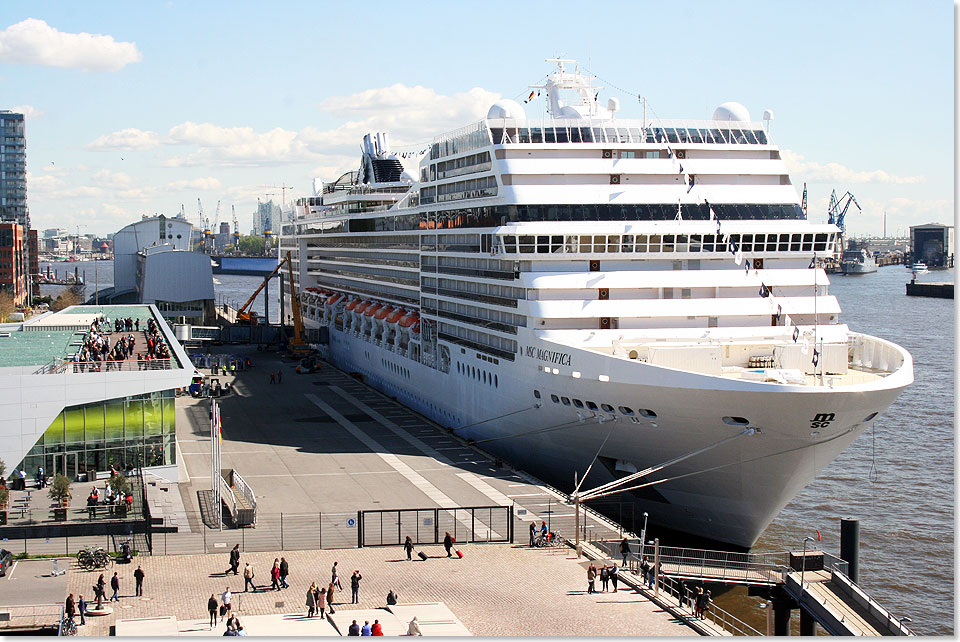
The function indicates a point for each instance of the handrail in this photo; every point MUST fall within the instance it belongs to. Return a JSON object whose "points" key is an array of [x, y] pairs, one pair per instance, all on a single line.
{"points": [[720, 617]]}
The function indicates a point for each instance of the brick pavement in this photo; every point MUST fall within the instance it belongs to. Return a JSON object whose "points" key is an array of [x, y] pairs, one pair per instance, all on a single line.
{"points": [[496, 590]]}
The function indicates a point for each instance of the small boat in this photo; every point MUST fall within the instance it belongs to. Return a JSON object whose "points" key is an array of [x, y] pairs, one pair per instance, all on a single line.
{"points": [[919, 268]]}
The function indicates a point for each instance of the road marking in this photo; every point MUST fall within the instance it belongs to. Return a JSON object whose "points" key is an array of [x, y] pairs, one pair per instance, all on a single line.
{"points": [[528, 495]]}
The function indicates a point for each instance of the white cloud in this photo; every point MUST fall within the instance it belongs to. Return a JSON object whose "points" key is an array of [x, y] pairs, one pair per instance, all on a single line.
{"points": [[29, 111], [208, 184], [115, 210], [81, 191], [814, 172], [43, 184], [125, 140], [106, 178], [34, 42]]}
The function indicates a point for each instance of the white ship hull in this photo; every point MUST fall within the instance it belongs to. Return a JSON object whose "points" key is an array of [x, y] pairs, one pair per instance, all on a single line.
{"points": [[859, 268], [728, 494]]}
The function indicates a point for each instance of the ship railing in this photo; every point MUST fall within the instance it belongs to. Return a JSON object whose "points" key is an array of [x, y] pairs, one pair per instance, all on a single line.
{"points": [[721, 618], [866, 352]]}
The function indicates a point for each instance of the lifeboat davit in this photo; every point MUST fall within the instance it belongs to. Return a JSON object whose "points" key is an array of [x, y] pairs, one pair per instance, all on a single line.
{"points": [[383, 312], [372, 309]]}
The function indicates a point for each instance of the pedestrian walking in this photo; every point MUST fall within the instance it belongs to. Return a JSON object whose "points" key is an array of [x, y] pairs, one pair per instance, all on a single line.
{"points": [[234, 560], [533, 533], [645, 572], [248, 578], [408, 547], [321, 598], [279, 376], [706, 605], [284, 571], [138, 577], [275, 575], [591, 578], [212, 607], [698, 602], [99, 591], [355, 586], [115, 585], [330, 598], [614, 576], [225, 603], [605, 578], [82, 609], [335, 577], [624, 550], [273, 378], [70, 607], [448, 543], [312, 599]]}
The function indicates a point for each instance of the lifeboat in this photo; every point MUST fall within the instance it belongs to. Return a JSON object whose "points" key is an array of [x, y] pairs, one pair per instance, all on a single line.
{"points": [[352, 305], [372, 309], [383, 312], [409, 320], [416, 328], [334, 298], [396, 315], [363, 306]]}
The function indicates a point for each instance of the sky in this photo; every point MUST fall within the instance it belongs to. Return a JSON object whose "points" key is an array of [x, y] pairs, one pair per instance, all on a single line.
{"points": [[139, 108]]}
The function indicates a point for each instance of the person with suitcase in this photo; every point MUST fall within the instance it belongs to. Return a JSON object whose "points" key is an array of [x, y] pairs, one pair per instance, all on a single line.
{"points": [[448, 543], [408, 547]]}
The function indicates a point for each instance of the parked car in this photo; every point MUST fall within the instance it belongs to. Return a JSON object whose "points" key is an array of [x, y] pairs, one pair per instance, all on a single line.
{"points": [[6, 559]]}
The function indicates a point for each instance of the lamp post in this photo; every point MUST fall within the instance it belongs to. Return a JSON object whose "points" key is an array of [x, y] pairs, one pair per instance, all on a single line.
{"points": [[803, 563], [643, 535]]}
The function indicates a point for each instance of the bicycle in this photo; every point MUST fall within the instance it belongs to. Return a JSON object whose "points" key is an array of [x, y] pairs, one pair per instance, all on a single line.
{"points": [[68, 626], [549, 540], [93, 558]]}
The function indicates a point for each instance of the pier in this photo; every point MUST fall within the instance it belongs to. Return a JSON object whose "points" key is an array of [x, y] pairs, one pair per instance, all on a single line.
{"points": [[938, 290]]}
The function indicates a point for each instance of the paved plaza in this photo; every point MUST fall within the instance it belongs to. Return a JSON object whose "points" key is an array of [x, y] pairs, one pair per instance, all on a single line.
{"points": [[495, 590]]}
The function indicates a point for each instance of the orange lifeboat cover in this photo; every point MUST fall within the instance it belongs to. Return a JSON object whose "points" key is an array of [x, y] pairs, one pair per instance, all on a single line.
{"points": [[334, 298], [372, 308], [353, 304], [383, 312], [360, 308], [396, 315], [409, 320], [416, 328]]}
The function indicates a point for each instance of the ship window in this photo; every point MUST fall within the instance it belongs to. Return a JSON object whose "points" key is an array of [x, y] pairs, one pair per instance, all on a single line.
{"points": [[543, 245], [735, 421], [696, 243], [626, 154], [496, 384], [627, 245], [746, 242], [708, 240], [592, 406], [641, 243], [668, 240], [784, 242], [646, 412], [565, 401], [795, 242], [607, 407], [626, 411], [820, 243], [527, 244], [654, 242], [771, 242], [600, 244], [578, 403], [613, 244], [684, 293], [807, 242]]}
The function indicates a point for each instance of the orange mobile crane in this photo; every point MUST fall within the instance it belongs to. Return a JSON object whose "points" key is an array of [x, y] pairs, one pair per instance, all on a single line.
{"points": [[297, 347], [244, 314]]}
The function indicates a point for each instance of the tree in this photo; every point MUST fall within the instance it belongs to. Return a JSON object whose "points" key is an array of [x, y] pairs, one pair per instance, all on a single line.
{"points": [[6, 305], [119, 484], [60, 489], [72, 296]]}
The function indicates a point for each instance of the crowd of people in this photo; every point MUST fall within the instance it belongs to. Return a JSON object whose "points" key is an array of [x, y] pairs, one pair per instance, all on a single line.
{"points": [[99, 347]]}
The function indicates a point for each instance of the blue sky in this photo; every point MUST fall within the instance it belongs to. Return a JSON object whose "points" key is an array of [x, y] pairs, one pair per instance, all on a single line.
{"points": [[136, 108]]}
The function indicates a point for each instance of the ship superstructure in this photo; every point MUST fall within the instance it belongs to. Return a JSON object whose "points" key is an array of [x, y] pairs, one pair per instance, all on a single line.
{"points": [[648, 290]]}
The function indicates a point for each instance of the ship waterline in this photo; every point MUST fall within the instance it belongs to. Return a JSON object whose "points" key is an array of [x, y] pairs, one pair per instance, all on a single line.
{"points": [[613, 328]]}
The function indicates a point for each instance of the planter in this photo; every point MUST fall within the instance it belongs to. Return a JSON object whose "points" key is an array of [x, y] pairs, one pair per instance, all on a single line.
{"points": [[120, 510], [60, 514], [3, 517]]}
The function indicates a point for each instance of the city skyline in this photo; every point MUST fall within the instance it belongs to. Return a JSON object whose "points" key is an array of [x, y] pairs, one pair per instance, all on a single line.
{"points": [[134, 110]]}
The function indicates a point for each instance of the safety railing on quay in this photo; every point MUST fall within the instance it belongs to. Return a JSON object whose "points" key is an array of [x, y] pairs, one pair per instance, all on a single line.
{"points": [[16, 516], [30, 616], [69, 545], [686, 597], [429, 526]]}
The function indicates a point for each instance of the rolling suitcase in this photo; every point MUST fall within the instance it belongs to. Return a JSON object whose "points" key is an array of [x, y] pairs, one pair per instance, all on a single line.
{"points": [[422, 555], [459, 553]]}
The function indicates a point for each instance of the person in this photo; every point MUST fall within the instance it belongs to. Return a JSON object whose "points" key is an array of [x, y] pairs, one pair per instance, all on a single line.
{"points": [[335, 576], [312, 599], [376, 629], [614, 576], [70, 607], [234, 560], [240, 630], [330, 598], [321, 598], [533, 533], [275, 575], [212, 608], [408, 547], [591, 578], [92, 505], [697, 602], [645, 572], [273, 378], [365, 629], [82, 609], [284, 571], [279, 376], [230, 632], [448, 543], [354, 629], [40, 477], [248, 578], [115, 585], [624, 550], [605, 578], [706, 605], [99, 592], [391, 598], [414, 628], [233, 622], [225, 603], [355, 586], [23, 478], [543, 530], [138, 576]]}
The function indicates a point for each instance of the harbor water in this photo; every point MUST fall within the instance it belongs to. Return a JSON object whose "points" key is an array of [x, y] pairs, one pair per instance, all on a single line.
{"points": [[897, 478]]}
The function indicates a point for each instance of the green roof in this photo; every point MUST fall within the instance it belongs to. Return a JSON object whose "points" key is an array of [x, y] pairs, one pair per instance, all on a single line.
{"points": [[141, 312], [38, 347]]}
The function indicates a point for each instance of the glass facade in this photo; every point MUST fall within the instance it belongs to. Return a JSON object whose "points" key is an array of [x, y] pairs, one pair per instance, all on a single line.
{"points": [[137, 431]]}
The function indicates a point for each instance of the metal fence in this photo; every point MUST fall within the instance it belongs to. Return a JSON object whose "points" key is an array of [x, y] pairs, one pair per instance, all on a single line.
{"points": [[30, 616], [429, 526], [718, 616]]}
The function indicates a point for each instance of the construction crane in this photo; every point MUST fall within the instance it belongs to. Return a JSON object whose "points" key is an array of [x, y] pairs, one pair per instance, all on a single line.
{"points": [[283, 187], [236, 229], [204, 229], [244, 314], [837, 211], [297, 346]]}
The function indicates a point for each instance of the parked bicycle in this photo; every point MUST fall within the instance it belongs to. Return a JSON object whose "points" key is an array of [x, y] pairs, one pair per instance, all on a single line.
{"points": [[551, 539], [68, 626], [94, 557]]}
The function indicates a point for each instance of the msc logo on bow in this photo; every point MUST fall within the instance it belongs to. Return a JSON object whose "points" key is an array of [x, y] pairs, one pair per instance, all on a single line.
{"points": [[822, 420]]}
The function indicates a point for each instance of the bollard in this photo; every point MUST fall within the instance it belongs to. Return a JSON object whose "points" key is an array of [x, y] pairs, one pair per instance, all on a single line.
{"points": [[769, 618], [656, 566], [850, 546]]}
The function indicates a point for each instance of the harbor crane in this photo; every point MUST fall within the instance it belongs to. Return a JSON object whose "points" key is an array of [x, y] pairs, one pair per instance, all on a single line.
{"points": [[236, 229], [837, 211]]}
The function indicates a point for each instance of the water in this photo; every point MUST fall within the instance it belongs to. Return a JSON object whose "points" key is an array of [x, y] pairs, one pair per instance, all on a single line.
{"points": [[228, 288], [906, 508]]}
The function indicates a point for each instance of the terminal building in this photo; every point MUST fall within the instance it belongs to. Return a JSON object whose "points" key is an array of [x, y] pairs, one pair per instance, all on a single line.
{"points": [[932, 244], [80, 417]]}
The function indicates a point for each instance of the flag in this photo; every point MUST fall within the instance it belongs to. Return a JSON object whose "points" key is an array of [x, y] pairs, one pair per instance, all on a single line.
{"points": [[819, 537], [796, 333], [530, 97], [816, 357], [779, 311], [813, 263], [764, 290], [738, 257], [718, 222], [746, 268], [681, 168], [805, 347]]}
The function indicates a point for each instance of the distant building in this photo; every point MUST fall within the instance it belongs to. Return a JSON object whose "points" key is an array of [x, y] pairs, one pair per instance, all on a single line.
{"points": [[13, 170], [14, 264], [54, 232], [222, 240], [267, 219], [147, 232], [932, 244]]}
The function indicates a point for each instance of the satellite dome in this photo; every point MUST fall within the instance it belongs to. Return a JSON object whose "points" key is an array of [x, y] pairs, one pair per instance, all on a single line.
{"points": [[732, 111], [506, 108]]}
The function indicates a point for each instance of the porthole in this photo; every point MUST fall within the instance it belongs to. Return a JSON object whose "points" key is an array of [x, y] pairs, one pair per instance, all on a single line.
{"points": [[607, 407], [736, 421], [578, 403], [646, 412], [536, 393], [592, 406], [565, 401], [626, 411], [870, 416], [554, 398]]}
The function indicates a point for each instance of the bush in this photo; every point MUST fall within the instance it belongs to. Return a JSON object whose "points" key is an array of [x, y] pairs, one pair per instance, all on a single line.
{"points": [[60, 489], [120, 485], [4, 497]]}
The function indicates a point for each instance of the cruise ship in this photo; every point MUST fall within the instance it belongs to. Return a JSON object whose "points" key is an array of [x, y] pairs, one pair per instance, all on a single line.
{"points": [[638, 304]]}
